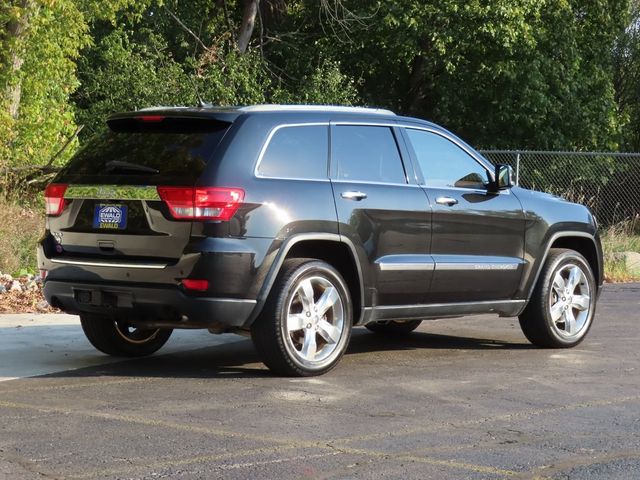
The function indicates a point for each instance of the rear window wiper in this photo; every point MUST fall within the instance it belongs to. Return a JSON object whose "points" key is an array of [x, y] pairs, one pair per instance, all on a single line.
{"points": [[113, 165]]}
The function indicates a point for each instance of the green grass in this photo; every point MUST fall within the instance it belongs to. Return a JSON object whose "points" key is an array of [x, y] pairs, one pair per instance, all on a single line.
{"points": [[20, 228], [623, 237]]}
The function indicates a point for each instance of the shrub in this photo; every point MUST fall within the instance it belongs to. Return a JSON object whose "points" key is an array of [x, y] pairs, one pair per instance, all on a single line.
{"points": [[20, 228], [622, 237]]}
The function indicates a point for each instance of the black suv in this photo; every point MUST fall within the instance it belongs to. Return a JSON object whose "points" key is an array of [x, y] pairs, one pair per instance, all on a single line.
{"points": [[295, 223]]}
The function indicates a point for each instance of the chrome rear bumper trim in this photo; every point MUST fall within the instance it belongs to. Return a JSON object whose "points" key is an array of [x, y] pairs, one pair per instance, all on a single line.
{"points": [[89, 263]]}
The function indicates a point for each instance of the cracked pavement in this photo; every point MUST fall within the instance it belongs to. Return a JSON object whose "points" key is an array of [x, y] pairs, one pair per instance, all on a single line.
{"points": [[462, 398]]}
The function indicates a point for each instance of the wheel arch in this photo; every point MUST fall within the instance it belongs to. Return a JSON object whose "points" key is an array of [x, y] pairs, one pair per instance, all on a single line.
{"points": [[584, 246], [582, 242], [334, 249]]}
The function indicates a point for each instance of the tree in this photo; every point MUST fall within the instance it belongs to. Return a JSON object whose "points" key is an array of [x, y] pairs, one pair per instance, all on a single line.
{"points": [[502, 73], [39, 45], [16, 21], [173, 50], [542, 74], [627, 77]]}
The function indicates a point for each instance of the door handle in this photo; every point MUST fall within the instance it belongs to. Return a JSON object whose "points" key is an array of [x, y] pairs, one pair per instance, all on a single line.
{"points": [[357, 196], [446, 201]]}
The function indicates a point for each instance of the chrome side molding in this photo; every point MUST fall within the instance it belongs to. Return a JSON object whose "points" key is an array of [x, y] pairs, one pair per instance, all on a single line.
{"points": [[405, 262], [446, 262]]}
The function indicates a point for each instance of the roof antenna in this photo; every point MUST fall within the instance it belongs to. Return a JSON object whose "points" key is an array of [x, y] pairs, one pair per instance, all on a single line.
{"points": [[201, 103]]}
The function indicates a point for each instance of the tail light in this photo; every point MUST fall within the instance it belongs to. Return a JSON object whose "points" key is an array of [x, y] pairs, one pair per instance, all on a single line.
{"points": [[195, 285], [54, 198], [201, 203]]}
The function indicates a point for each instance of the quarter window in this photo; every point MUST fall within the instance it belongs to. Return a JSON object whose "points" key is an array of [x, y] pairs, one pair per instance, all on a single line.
{"points": [[444, 164], [366, 154], [297, 152]]}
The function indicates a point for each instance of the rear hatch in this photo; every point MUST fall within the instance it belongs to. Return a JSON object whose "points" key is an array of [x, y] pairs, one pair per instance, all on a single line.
{"points": [[108, 201]]}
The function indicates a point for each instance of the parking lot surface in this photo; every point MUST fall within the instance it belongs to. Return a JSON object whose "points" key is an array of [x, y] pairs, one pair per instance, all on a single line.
{"points": [[463, 398]]}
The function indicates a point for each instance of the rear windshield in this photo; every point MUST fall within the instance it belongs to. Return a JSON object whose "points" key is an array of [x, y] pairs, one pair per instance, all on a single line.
{"points": [[168, 151]]}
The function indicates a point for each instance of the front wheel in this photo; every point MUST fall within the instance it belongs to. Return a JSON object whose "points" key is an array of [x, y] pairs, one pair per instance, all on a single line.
{"points": [[119, 338], [563, 303], [305, 326]]}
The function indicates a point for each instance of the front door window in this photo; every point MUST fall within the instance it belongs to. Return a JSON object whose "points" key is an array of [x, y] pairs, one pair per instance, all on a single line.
{"points": [[444, 164]]}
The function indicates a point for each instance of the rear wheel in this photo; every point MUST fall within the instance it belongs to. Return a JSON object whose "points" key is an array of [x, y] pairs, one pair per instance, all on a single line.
{"points": [[393, 327], [119, 338], [305, 325], [562, 306]]}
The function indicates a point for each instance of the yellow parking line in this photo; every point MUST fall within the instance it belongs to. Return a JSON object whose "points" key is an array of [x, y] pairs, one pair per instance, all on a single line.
{"points": [[477, 421], [181, 462], [68, 386], [154, 423], [570, 463], [283, 444], [287, 444], [257, 463], [430, 461]]}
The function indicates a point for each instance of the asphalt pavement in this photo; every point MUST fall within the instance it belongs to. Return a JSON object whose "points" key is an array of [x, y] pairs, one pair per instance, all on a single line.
{"points": [[457, 399]]}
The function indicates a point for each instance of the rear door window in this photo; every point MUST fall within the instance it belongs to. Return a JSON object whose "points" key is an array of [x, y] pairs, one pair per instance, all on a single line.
{"points": [[171, 150], [298, 152], [366, 154]]}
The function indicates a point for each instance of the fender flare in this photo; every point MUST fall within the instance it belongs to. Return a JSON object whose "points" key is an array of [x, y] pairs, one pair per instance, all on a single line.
{"points": [[283, 251], [554, 237]]}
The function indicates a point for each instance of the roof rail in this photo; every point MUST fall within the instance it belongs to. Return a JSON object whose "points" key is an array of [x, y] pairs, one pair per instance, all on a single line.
{"points": [[314, 108]]}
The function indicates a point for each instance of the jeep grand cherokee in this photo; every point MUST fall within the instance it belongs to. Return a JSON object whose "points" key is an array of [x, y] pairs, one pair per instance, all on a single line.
{"points": [[295, 224]]}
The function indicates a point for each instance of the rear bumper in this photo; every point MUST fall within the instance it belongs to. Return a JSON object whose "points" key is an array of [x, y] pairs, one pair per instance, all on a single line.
{"points": [[154, 304]]}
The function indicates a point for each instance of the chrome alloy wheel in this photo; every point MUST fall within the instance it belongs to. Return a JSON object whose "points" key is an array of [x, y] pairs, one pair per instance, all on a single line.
{"points": [[133, 334], [315, 323], [570, 301]]}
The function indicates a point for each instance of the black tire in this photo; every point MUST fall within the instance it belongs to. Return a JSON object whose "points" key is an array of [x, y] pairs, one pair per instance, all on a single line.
{"points": [[118, 338], [392, 327], [272, 333], [537, 321]]}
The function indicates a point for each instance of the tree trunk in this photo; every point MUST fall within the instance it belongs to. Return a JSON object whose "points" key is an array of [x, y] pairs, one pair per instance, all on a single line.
{"points": [[419, 99], [415, 94], [248, 23], [14, 34]]}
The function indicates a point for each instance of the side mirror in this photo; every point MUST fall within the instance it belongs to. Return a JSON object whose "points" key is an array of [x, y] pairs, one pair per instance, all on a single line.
{"points": [[504, 177]]}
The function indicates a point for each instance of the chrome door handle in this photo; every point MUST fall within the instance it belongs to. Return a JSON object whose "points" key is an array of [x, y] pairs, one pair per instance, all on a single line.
{"points": [[357, 196], [446, 201]]}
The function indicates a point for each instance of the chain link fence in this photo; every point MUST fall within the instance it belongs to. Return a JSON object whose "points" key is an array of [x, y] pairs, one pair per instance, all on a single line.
{"points": [[608, 183]]}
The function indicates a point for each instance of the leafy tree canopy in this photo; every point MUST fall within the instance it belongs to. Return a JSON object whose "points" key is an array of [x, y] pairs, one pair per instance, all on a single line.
{"points": [[543, 74]]}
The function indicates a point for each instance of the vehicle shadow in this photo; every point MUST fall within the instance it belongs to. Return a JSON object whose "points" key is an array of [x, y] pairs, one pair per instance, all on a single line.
{"points": [[234, 360], [363, 342], [240, 360]]}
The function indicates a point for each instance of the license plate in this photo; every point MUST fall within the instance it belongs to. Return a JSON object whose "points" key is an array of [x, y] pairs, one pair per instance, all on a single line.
{"points": [[110, 216]]}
